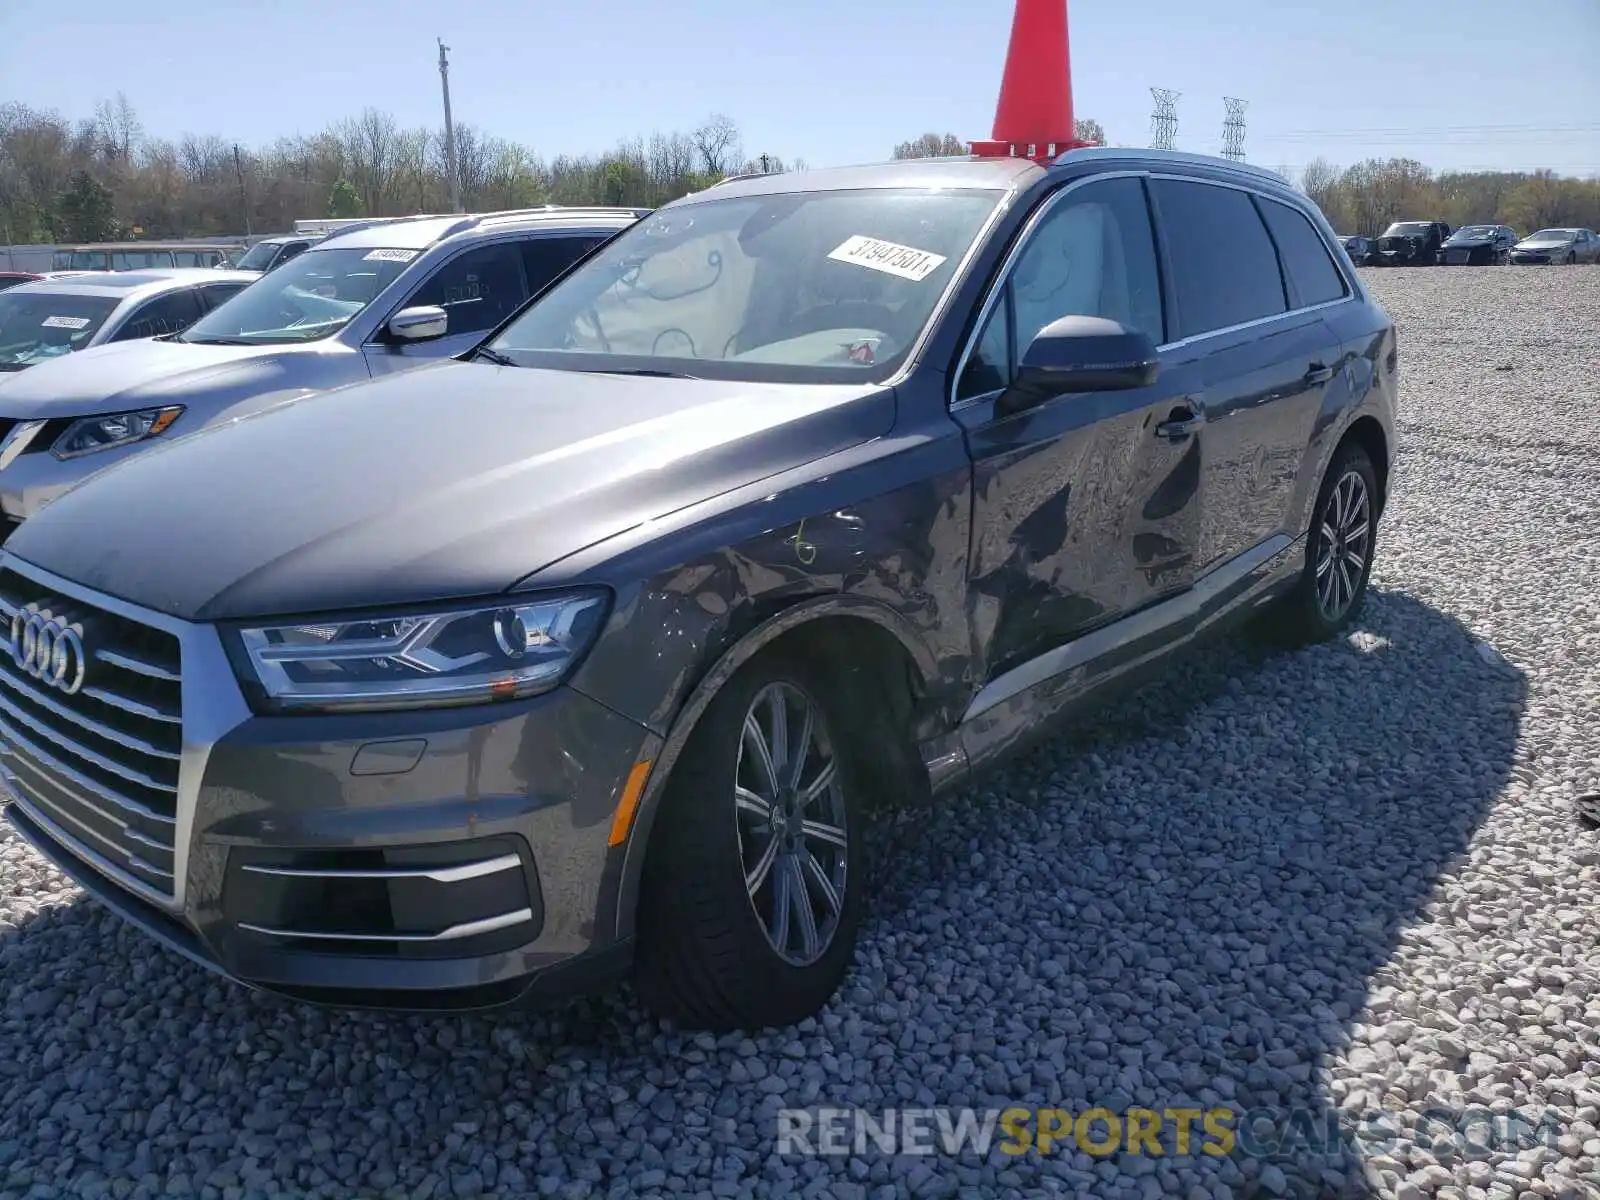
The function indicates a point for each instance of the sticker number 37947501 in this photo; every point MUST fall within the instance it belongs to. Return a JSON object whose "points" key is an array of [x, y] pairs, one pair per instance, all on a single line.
{"points": [[889, 257]]}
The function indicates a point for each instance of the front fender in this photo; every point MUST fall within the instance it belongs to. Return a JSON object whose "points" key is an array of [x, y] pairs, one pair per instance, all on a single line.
{"points": [[682, 727]]}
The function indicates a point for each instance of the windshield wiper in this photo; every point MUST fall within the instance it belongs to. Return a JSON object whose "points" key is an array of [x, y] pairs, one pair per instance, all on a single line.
{"points": [[494, 356], [221, 342], [650, 371]]}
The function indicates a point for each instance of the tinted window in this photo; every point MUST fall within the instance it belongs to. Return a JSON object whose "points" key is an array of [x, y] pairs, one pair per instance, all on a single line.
{"points": [[164, 314], [545, 258], [1093, 256], [215, 293], [1224, 268], [1312, 275], [479, 289]]}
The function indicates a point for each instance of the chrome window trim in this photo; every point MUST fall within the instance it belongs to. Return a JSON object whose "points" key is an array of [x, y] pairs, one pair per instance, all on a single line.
{"points": [[1354, 290], [212, 701]]}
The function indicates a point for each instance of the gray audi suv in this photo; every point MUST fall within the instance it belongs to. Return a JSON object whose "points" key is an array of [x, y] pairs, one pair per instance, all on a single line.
{"points": [[591, 651]]}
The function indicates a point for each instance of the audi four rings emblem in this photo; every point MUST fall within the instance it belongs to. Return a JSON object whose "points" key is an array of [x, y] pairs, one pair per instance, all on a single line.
{"points": [[48, 648]]}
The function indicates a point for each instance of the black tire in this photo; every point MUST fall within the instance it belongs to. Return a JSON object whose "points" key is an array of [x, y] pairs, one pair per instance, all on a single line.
{"points": [[1571, 260], [705, 959], [1302, 617]]}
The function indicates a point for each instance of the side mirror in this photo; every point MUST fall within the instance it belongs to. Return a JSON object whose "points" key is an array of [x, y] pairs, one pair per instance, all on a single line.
{"points": [[1083, 354], [419, 324]]}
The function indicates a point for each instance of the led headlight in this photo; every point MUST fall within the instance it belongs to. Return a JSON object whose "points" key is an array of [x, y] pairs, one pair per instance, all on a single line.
{"points": [[90, 434], [517, 647]]}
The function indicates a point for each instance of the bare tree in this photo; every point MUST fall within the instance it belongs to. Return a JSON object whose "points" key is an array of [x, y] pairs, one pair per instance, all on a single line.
{"points": [[717, 142]]}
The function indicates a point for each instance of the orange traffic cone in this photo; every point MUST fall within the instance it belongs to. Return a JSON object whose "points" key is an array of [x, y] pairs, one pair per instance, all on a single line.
{"points": [[1034, 116]]}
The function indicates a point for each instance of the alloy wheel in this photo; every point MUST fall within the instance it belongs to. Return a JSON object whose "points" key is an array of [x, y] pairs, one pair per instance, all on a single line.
{"points": [[789, 811], [1344, 543]]}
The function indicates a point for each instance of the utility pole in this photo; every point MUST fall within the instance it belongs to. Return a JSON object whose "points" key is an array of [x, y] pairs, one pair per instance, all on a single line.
{"points": [[449, 130], [1233, 129], [244, 200]]}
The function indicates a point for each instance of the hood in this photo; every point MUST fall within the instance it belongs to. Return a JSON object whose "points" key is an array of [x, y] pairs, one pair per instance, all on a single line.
{"points": [[121, 376], [446, 481], [1476, 239], [1544, 244]]}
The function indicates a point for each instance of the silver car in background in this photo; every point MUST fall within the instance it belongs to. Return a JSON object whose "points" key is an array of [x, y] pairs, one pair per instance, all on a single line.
{"points": [[1557, 247], [354, 306], [44, 319]]}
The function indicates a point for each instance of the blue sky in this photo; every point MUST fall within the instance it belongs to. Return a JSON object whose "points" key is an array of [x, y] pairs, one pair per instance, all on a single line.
{"points": [[835, 81]]}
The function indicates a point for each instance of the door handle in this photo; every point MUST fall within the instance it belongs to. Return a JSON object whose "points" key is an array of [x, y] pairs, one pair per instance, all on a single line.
{"points": [[1181, 423], [1318, 374]]}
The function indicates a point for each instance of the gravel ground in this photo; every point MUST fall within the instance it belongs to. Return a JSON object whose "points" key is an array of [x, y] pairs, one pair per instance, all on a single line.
{"points": [[1347, 878]]}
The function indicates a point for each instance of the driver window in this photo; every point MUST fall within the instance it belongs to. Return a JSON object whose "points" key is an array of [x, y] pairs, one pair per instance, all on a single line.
{"points": [[1093, 255], [477, 289]]}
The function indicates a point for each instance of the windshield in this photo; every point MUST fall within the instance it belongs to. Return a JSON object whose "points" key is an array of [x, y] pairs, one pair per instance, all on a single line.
{"points": [[799, 287], [309, 297], [1407, 229], [35, 326], [258, 257], [1473, 231], [1553, 235]]}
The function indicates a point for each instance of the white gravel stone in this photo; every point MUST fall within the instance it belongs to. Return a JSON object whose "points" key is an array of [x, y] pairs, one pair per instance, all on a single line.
{"points": [[1349, 877]]}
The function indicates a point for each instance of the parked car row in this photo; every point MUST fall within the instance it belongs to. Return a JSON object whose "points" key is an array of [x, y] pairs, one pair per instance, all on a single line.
{"points": [[585, 645], [1430, 243]]}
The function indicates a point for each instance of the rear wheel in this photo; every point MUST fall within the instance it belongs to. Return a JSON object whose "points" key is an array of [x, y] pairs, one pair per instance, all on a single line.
{"points": [[1339, 549], [751, 895]]}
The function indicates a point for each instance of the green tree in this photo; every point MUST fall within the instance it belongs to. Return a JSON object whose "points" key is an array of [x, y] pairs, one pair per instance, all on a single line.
{"points": [[344, 200], [87, 211]]}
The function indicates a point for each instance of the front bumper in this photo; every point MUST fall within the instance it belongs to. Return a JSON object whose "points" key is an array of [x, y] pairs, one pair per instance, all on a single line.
{"points": [[1531, 257], [440, 859], [35, 477]]}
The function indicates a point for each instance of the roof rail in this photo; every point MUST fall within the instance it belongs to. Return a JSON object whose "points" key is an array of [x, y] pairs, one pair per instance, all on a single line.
{"points": [[1201, 160], [745, 175]]}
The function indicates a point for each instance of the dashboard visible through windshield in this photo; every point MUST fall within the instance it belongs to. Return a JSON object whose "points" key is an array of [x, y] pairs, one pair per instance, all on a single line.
{"points": [[793, 287], [309, 297]]}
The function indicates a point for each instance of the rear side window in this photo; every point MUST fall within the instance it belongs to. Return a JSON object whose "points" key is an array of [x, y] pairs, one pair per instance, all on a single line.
{"points": [[1312, 276], [1224, 267], [546, 257]]}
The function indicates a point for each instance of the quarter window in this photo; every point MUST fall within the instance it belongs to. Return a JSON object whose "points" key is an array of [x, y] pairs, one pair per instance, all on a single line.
{"points": [[1312, 275], [1225, 270]]}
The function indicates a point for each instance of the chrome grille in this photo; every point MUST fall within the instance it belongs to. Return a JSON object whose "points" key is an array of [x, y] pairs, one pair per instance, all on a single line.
{"points": [[99, 766]]}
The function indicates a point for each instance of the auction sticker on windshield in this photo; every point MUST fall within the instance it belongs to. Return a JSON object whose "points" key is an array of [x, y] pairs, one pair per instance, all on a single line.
{"points": [[65, 323], [889, 257], [389, 256]]}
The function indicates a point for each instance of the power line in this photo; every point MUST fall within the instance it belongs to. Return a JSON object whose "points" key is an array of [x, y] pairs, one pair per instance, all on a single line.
{"points": [[1233, 129], [1164, 120]]}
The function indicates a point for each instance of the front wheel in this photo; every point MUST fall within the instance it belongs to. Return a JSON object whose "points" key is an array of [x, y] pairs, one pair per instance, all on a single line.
{"points": [[1339, 550], [1571, 260], [751, 894]]}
